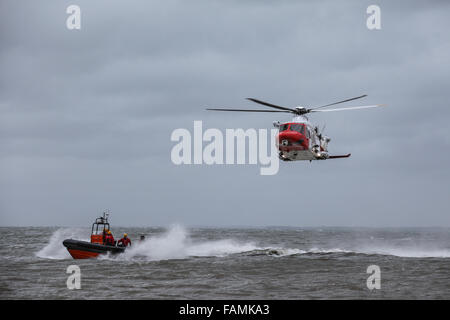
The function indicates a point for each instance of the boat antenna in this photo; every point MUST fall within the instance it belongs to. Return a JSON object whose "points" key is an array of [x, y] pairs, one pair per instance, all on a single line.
{"points": [[106, 215]]}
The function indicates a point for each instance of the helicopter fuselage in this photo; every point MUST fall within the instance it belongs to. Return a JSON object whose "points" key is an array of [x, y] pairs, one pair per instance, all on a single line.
{"points": [[299, 140]]}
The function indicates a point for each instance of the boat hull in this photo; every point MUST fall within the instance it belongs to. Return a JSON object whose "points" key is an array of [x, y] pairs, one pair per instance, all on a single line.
{"points": [[85, 250]]}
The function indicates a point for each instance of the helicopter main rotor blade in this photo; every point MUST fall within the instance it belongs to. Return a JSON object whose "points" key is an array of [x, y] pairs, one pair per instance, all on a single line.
{"points": [[350, 108], [244, 110], [332, 104], [271, 105]]}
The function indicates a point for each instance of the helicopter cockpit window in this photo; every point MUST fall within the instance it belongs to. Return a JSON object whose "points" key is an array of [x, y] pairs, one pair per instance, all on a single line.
{"points": [[297, 127], [284, 127]]}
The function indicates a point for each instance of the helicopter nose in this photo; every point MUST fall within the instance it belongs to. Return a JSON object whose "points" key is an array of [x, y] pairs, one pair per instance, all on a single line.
{"points": [[292, 140]]}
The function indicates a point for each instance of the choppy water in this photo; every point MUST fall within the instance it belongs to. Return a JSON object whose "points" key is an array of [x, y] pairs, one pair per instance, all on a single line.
{"points": [[216, 263]]}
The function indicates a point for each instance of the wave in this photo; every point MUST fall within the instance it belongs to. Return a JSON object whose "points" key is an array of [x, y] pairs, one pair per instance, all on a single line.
{"points": [[407, 252], [397, 252], [282, 252]]}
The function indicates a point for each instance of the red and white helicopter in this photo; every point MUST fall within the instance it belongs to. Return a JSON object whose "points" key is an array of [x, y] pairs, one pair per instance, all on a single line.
{"points": [[300, 139]]}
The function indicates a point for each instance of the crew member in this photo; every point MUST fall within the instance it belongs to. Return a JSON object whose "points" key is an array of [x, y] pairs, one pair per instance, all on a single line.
{"points": [[105, 233], [125, 241], [109, 239]]}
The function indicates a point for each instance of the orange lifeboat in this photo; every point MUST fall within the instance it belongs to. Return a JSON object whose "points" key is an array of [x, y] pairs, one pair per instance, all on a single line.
{"points": [[79, 249]]}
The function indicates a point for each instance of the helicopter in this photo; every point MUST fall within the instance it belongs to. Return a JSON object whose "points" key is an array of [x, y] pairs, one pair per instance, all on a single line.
{"points": [[299, 139]]}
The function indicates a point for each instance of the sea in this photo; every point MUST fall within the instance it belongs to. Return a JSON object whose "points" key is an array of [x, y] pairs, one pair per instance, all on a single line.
{"points": [[269, 263]]}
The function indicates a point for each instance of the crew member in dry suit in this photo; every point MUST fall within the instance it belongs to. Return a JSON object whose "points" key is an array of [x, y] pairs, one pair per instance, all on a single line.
{"points": [[109, 239], [125, 241]]}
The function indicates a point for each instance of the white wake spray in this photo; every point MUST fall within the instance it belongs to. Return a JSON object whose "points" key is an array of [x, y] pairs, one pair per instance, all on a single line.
{"points": [[55, 249], [176, 244]]}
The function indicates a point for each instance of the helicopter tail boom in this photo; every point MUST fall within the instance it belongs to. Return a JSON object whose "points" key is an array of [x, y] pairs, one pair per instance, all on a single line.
{"points": [[340, 156]]}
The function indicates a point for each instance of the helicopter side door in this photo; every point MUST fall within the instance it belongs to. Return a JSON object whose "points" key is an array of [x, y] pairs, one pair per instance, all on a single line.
{"points": [[311, 137]]}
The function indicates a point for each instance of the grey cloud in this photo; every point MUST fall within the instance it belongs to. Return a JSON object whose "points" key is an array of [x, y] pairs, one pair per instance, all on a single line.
{"points": [[86, 116]]}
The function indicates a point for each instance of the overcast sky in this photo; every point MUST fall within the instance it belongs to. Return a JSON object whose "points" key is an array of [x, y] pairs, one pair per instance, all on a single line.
{"points": [[86, 115]]}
